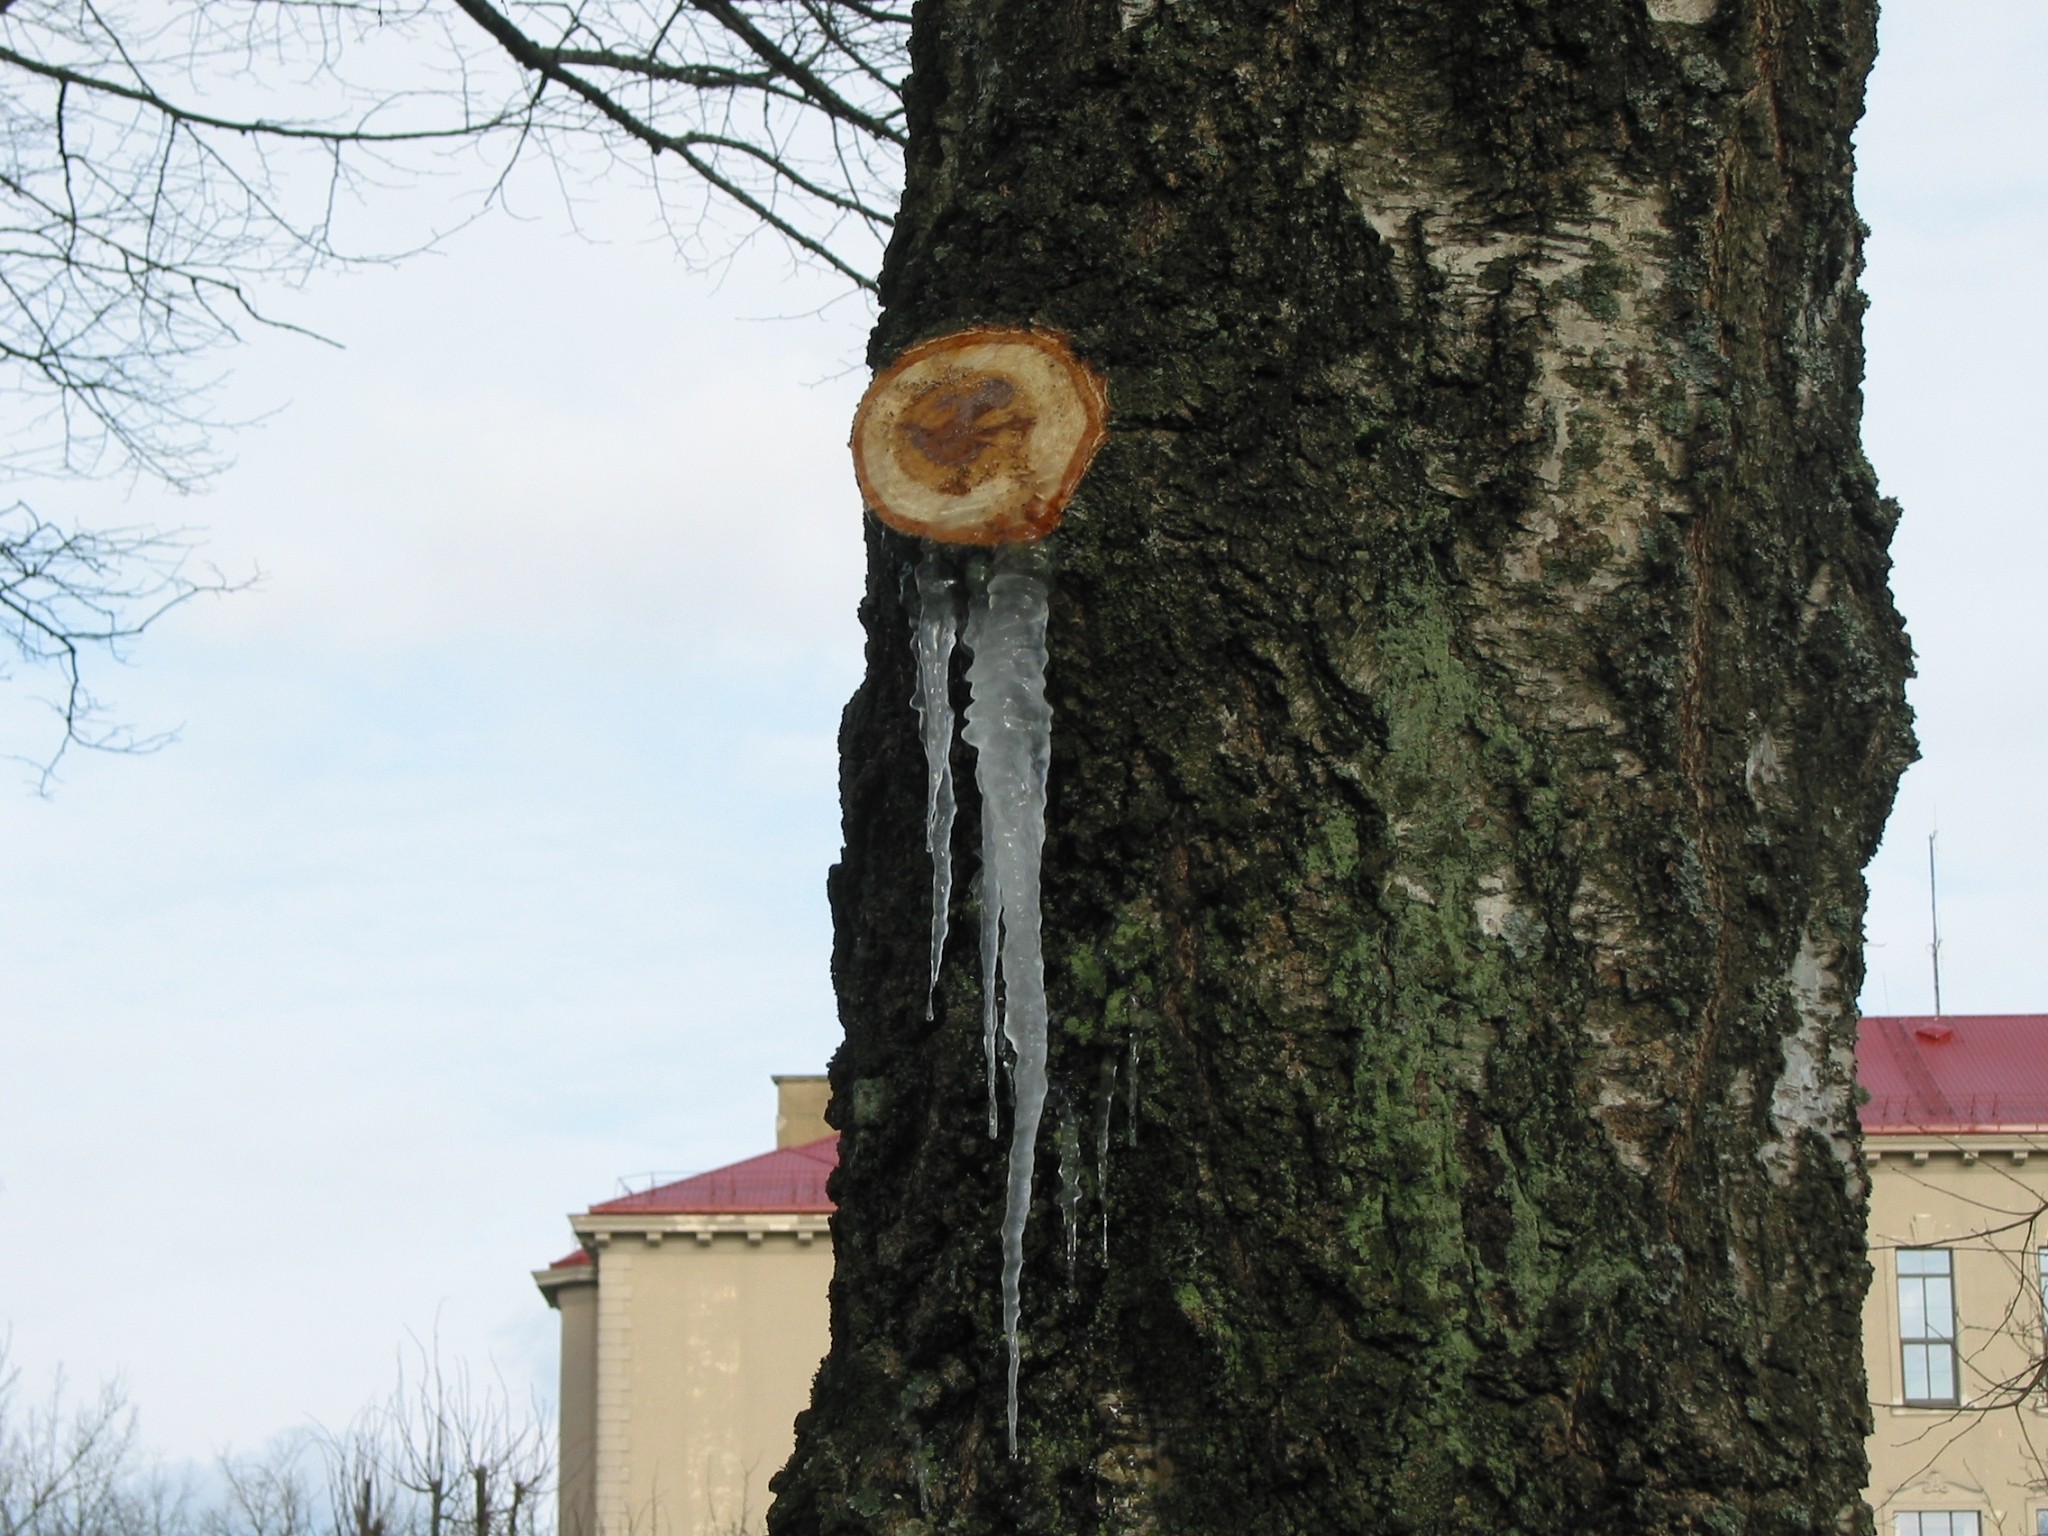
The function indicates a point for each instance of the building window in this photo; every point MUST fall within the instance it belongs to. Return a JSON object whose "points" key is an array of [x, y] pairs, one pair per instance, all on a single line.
{"points": [[1927, 1341], [1939, 1522]]}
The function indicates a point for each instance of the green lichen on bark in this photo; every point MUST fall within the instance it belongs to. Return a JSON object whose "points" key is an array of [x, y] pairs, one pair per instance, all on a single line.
{"points": [[1476, 694]]}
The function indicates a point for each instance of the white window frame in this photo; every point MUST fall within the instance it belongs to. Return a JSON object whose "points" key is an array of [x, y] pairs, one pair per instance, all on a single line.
{"points": [[1938, 1522], [1927, 1295]]}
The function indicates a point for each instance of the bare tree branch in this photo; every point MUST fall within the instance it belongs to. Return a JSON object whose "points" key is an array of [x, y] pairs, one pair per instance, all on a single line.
{"points": [[65, 593], [789, 72], [438, 1458], [164, 171]]}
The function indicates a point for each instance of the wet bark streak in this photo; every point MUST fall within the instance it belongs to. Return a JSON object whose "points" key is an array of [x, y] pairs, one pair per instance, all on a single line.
{"points": [[1696, 764]]}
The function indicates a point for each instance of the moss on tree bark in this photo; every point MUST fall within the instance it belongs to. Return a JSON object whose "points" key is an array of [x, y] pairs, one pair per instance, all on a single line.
{"points": [[1476, 696]]}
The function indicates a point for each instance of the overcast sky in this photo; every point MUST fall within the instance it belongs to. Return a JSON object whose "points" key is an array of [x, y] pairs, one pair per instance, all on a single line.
{"points": [[489, 865]]}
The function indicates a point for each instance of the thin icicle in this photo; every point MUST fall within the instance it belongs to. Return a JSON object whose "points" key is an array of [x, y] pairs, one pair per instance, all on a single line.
{"points": [[1069, 1143], [1009, 726], [1104, 1103], [938, 626], [991, 942], [991, 882]]}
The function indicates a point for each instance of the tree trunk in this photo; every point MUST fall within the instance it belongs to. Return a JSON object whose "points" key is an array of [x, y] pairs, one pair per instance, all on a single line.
{"points": [[1476, 695]]}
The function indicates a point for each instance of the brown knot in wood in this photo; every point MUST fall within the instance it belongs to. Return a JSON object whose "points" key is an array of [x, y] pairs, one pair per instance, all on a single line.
{"points": [[979, 437]]}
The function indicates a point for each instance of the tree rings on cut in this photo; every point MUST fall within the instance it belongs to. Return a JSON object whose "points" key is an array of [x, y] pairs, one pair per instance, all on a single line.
{"points": [[978, 437]]}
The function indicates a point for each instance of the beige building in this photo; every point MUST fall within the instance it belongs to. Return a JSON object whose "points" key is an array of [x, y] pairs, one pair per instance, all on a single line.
{"points": [[1956, 1142], [693, 1313], [693, 1318]]}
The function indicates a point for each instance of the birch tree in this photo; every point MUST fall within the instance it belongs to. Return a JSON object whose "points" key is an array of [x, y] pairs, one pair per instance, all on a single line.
{"points": [[1475, 696]]}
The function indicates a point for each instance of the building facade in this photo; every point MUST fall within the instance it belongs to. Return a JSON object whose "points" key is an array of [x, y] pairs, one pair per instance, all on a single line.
{"points": [[693, 1317], [694, 1314], [1955, 1139]]}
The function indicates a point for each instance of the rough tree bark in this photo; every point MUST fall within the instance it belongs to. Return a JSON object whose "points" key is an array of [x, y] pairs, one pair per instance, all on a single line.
{"points": [[1477, 694]]}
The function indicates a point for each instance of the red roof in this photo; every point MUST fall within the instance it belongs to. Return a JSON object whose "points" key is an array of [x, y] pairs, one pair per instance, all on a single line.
{"points": [[1977, 1072], [790, 1180], [1925, 1075]]}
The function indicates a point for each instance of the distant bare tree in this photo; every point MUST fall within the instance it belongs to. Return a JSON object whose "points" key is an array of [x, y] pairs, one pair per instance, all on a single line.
{"points": [[360, 1494], [267, 1494], [71, 1467], [439, 1457]]}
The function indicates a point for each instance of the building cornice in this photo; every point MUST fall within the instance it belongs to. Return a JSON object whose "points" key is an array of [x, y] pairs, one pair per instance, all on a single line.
{"points": [[560, 1277], [2008, 1144], [602, 1230]]}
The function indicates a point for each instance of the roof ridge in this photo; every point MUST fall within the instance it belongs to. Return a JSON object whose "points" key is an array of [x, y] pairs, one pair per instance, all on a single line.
{"points": [[785, 1180]]}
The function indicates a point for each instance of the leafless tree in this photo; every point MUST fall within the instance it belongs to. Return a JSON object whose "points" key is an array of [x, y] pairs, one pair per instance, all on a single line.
{"points": [[150, 187], [441, 1456], [267, 1494], [71, 1467], [68, 593], [789, 111], [168, 170], [360, 1494], [163, 166]]}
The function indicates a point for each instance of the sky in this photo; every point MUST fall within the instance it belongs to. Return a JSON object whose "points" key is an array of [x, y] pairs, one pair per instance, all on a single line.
{"points": [[1953, 180], [488, 866]]}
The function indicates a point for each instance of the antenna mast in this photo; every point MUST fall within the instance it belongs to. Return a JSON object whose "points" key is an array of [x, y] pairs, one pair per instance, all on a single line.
{"points": [[1934, 922]]}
